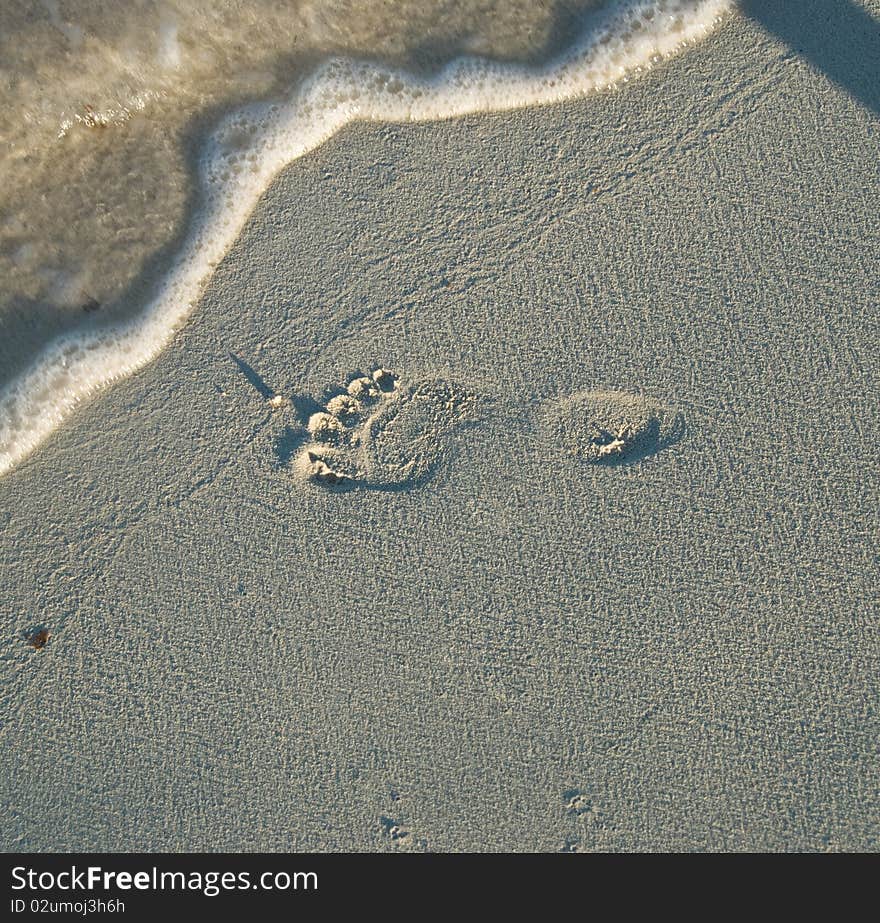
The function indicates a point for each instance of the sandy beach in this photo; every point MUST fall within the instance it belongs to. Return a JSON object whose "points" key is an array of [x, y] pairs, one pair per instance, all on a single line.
{"points": [[484, 638]]}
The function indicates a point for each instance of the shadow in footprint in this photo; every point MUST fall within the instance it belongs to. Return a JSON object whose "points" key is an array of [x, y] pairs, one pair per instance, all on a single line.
{"points": [[287, 443], [611, 428], [654, 438], [304, 406]]}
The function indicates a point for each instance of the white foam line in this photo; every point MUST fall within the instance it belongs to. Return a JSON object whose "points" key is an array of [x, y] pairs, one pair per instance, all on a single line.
{"points": [[252, 145]]}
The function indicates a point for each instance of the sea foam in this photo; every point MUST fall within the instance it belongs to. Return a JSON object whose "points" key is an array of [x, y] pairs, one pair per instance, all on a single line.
{"points": [[250, 146]]}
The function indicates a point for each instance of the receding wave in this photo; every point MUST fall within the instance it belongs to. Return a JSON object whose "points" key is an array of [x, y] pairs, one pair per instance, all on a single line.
{"points": [[251, 145]]}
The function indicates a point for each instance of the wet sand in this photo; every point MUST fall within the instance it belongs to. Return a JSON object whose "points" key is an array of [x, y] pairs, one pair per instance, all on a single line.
{"points": [[523, 646]]}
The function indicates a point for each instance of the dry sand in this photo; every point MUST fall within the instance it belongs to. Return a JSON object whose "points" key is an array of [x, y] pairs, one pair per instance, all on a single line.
{"points": [[524, 646]]}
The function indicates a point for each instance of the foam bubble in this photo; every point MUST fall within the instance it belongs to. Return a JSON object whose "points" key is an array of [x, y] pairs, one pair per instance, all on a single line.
{"points": [[168, 53], [252, 145]]}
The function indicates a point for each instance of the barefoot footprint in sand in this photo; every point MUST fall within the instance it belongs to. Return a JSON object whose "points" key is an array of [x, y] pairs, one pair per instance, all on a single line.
{"points": [[381, 432], [611, 427]]}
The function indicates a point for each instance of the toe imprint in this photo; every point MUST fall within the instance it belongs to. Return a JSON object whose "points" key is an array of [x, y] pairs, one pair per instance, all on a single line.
{"points": [[608, 427], [381, 432]]}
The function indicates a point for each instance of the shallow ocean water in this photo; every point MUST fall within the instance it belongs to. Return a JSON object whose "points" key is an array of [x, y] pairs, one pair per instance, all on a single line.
{"points": [[138, 143], [99, 100]]}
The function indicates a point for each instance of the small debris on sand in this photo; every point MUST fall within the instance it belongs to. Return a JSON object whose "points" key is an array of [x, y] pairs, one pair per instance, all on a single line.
{"points": [[39, 639]]}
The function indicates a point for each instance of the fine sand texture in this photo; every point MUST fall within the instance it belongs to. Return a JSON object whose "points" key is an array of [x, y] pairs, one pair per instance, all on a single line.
{"points": [[514, 487]]}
